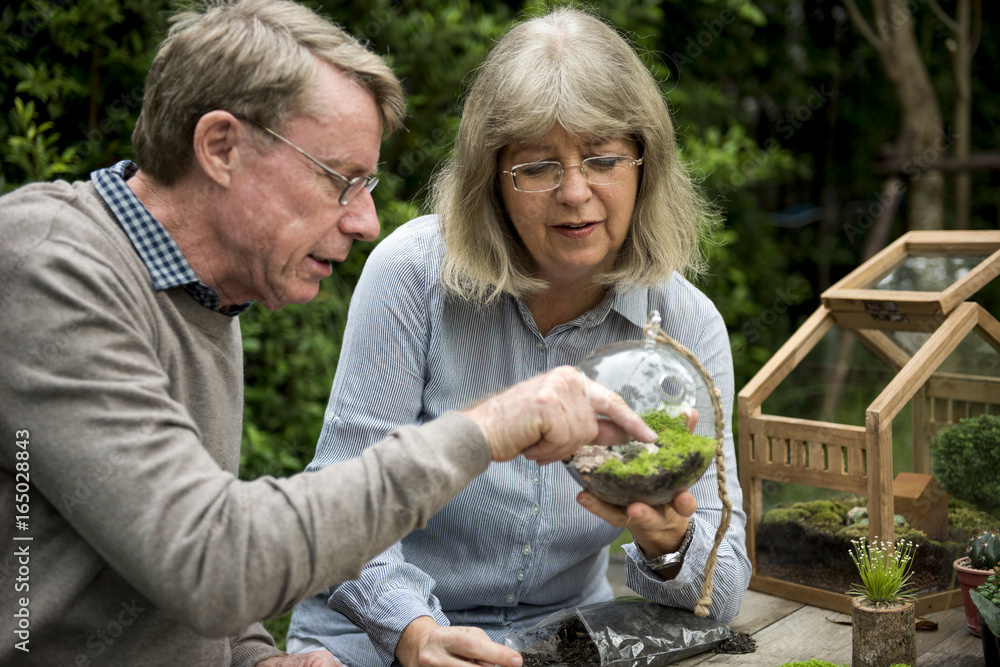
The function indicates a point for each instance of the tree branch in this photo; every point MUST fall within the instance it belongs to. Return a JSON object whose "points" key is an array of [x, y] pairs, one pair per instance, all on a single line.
{"points": [[862, 25], [977, 27], [951, 23], [915, 165]]}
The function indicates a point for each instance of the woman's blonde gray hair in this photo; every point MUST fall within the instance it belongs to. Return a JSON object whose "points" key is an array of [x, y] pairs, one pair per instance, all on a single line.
{"points": [[255, 59], [570, 69]]}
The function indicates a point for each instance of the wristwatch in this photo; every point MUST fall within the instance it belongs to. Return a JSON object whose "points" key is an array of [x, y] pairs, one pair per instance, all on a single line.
{"points": [[669, 560]]}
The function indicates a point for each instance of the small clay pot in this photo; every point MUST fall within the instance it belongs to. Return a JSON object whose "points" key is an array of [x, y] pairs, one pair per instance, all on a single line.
{"points": [[968, 579], [883, 635]]}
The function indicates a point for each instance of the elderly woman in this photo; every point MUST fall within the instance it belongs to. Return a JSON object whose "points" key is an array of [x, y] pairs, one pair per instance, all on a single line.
{"points": [[563, 218]]}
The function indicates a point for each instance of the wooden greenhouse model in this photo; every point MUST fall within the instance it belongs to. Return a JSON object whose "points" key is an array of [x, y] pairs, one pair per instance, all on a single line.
{"points": [[909, 311]]}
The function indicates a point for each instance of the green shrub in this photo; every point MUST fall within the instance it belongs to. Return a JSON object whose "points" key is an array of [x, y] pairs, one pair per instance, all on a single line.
{"points": [[967, 461], [290, 356]]}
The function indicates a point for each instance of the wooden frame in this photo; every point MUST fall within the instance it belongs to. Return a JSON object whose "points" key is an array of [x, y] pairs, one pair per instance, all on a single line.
{"points": [[855, 459], [855, 305]]}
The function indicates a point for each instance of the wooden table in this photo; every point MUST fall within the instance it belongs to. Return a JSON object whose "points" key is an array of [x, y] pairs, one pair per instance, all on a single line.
{"points": [[786, 631]]}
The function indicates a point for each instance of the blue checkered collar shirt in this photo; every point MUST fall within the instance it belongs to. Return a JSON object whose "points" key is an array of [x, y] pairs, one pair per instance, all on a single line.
{"points": [[157, 249]]}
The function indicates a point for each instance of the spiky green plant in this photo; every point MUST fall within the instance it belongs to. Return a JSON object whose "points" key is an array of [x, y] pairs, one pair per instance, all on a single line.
{"points": [[885, 570]]}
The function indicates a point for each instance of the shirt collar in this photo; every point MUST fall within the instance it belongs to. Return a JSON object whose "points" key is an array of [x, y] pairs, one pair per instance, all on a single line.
{"points": [[633, 305], [159, 252]]}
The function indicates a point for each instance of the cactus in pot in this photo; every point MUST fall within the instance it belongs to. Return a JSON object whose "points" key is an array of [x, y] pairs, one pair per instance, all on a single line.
{"points": [[984, 550], [972, 570]]}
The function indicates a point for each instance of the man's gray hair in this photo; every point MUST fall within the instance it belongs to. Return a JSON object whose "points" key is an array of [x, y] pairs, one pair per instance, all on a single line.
{"points": [[255, 59]]}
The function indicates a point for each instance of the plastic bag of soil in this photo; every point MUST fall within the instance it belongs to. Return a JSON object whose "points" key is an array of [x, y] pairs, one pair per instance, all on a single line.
{"points": [[627, 632]]}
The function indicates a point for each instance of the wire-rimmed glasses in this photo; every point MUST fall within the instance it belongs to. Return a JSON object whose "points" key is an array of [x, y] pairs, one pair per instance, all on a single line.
{"points": [[547, 175], [349, 187]]}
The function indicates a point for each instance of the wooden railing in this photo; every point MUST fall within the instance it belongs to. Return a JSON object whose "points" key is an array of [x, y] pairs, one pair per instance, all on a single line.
{"points": [[832, 456]]}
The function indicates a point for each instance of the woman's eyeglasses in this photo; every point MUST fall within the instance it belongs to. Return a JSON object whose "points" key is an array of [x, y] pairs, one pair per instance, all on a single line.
{"points": [[547, 175]]}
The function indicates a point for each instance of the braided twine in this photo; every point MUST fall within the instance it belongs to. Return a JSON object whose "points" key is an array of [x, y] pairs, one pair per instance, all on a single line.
{"points": [[705, 601]]}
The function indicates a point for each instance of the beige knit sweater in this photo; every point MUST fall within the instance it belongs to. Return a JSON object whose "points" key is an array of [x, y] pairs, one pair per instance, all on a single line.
{"points": [[145, 549]]}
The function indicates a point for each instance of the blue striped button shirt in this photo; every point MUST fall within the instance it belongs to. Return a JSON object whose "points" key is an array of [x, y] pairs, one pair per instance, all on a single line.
{"points": [[515, 545], [159, 252]]}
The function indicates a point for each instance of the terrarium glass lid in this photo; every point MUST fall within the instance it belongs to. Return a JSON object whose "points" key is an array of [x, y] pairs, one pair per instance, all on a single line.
{"points": [[916, 281]]}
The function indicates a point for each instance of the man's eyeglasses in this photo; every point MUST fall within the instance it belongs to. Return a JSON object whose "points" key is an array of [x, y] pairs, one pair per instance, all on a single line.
{"points": [[547, 175], [349, 187]]}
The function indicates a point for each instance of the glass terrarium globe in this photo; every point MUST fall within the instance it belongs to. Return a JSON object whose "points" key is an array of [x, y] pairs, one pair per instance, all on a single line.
{"points": [[647, 375], [662, 386]]}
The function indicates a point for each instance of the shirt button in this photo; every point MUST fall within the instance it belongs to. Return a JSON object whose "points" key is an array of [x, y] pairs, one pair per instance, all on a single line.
{"points": [[536, 480], [520, 575], [535, 509], [511, 598], [526, 549], [540, 345]]}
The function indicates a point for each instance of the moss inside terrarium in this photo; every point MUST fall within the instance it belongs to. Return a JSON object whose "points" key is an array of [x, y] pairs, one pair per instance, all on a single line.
{"points": [[675, 445], [794, 543]]}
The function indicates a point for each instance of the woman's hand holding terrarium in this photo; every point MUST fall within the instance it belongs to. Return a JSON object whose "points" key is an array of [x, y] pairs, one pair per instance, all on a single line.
{"points": [[657, 529]]}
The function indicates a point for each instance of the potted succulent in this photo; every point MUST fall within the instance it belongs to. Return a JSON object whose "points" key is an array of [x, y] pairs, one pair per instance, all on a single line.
{"points": [[882, 607], [986, 597], [973, 570]]}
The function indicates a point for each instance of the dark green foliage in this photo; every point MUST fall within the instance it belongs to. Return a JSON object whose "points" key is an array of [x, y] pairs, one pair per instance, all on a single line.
{"points": [[290, 358], [71, 82], [991, 589], [967, 460], [984, 550]]}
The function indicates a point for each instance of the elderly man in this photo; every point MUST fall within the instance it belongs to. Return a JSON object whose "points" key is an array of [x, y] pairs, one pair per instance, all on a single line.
{"points": [[133, 542]]}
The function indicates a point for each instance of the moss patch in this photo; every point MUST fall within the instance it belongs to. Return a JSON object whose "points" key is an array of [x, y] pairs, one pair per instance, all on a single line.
{"points": [[676, 447], [831, 516], [808, 543], [651, 473]]}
